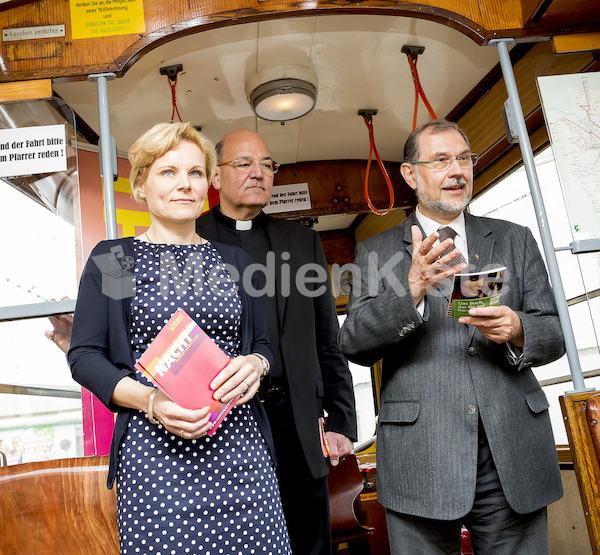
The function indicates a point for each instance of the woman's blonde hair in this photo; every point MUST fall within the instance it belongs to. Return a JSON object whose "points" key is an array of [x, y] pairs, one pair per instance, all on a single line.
{"points": [[160, 139]]}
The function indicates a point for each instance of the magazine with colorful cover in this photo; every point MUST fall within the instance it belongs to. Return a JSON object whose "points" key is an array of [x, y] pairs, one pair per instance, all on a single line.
{"points": [[475, 290], [182, 361]]}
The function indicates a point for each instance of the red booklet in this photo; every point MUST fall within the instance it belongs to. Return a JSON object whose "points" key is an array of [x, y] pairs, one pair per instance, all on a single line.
{"points": [[182, 361]]}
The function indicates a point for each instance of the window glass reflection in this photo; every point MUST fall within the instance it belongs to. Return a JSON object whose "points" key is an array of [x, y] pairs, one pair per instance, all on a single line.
{"points": [[364, 397], [37, 427], [38, 251]]}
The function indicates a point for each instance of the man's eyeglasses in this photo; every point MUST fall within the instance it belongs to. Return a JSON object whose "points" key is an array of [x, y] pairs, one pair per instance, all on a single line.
{"points": [[467, 160], [245, 165]]}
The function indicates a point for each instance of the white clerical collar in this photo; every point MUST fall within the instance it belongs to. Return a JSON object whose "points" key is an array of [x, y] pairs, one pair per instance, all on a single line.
{"points": [[243, 225]]}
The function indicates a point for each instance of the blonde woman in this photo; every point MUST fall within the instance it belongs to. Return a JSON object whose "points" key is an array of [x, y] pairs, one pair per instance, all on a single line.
{"points": [[178, 489]]}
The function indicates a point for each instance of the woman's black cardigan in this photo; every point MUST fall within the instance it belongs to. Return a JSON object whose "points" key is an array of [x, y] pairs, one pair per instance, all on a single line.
{"points": [[100, 353]]}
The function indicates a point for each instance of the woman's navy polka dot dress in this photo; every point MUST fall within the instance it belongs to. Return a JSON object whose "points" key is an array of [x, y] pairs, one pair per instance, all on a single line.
{"points": [[214, 495]]}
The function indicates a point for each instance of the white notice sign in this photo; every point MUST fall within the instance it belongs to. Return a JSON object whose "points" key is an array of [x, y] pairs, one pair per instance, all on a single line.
{"points": [[289, 198], [28, 33], [33, 150]]}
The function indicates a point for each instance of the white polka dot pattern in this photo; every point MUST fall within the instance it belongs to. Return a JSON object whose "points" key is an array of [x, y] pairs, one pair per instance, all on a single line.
{"points": [[214, 495], [191, 277]]}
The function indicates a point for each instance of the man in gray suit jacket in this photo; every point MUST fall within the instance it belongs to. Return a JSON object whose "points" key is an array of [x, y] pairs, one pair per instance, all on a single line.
{"points": [[464, 434]]}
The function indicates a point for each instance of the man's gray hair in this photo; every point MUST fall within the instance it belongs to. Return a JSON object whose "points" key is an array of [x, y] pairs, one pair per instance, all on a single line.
{"points": [[219, 150], [412, 149]]}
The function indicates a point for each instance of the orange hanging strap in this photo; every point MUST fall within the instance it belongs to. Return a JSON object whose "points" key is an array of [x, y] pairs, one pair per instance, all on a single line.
{"points": [[372, 148], [412, 62], [173, 85], [416, 108]]}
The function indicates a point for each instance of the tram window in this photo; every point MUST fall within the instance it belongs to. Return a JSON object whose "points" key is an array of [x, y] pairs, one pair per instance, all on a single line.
{"points": [[364, 398], [38, 250], [37, 425], [40, 404], [510, 199]]}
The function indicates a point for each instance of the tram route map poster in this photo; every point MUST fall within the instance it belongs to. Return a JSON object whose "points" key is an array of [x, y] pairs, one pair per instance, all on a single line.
{"points": [[571, 105]]}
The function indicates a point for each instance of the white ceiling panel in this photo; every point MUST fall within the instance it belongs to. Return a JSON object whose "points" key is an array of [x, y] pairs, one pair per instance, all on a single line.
{"points": [[358, 62]]}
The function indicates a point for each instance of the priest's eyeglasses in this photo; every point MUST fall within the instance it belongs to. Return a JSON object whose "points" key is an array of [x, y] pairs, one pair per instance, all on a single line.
{"points": [[245, 165], [441, 163]]}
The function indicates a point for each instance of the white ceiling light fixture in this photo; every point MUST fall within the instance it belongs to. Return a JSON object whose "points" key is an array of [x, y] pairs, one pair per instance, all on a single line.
{"points": [[282, 93]]}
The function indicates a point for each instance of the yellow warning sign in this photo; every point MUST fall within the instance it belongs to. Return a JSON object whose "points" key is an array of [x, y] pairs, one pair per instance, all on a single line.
{"points": [[105, 18]]}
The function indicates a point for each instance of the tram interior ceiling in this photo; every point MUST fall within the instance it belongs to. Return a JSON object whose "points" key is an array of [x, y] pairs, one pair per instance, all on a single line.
{"points": [[358, 59]]}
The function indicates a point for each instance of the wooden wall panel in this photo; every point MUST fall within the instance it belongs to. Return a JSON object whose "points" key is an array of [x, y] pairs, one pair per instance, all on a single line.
{"points": [[509, 162], [69, 58], [561, 12], [75, 59], [529, 9], [499, 14], [338, 187], [483, 123], [26, 90], [338, 246], [373, 224], [576, 43]]}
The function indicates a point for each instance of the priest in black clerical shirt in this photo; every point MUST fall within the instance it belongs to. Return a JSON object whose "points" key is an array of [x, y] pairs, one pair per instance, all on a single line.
{"points": [[252, 236], [310, 376]]}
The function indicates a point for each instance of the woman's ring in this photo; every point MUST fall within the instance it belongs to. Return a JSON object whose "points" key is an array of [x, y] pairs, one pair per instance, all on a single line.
{"points": [[438, 265], [247, 386], [182, 433]]}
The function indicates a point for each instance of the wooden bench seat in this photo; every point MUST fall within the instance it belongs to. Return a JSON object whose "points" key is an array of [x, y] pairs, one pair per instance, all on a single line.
{"points": [[581, 412], [58, 507]]}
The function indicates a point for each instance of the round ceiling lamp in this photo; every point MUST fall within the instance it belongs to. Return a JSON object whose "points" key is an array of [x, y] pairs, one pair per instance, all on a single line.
{"points": [[282, 93]]}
